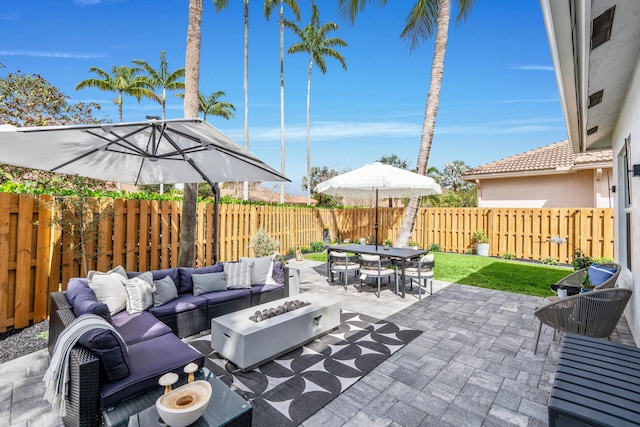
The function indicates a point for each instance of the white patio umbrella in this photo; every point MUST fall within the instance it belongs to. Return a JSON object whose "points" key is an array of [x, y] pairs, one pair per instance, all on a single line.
{"points": [[151, 152], [379, 180]]}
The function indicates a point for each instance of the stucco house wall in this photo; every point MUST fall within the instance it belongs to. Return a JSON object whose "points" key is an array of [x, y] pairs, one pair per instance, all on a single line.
{"points": [[580, 189], [628, 126]]}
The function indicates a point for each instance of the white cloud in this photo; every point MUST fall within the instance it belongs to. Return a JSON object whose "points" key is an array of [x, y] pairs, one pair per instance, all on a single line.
{"points": [[10, 16], [532, 67], [45, 54]]}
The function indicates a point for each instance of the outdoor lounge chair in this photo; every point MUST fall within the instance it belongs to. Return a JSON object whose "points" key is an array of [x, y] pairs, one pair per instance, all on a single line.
{"points": [[342, 264], [593, 314], [421, 270], [573, 282], [374, 266]]}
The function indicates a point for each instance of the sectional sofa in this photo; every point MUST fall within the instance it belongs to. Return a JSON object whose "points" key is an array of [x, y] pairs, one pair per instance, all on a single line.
{"points": [[105, 371]]}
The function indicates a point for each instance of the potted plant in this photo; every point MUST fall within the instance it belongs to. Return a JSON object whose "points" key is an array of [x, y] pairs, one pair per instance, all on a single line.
{"points": [[387, 244], [482, 243], [413, 245]]}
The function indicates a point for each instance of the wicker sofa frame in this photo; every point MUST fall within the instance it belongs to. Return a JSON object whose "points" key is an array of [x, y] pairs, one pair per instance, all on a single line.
{"points": [[82, 404]]}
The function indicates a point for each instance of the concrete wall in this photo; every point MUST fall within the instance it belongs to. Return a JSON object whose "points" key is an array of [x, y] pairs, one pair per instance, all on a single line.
{"points": [[568, 190], [628, 125]]}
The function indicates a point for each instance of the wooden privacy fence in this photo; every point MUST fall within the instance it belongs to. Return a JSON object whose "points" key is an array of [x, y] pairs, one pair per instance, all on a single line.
{"points": [[144, 235]]}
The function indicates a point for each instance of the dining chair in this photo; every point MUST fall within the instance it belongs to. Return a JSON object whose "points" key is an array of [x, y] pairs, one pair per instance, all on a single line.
{"points": [[593, 314], [374, 266], [342, 264], [420, 270]]}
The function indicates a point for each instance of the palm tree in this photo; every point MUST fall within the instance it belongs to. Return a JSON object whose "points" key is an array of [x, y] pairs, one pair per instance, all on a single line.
{"points": [[211, 106], [394, 161], [161, 78], [123, 80], [269, 5], [186, 253], [219, 5], [314, 41], [451, 177], [425, 17]]}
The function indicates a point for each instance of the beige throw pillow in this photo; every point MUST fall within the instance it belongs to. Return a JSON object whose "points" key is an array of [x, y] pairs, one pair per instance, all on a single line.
{"points": [[109, 288]]}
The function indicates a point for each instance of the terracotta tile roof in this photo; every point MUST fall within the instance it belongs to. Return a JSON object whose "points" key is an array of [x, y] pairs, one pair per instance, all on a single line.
{"points": [[558, 156]]}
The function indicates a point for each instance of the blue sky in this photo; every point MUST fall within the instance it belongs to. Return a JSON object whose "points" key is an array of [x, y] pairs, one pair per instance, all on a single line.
{"points": [[499, 95]]}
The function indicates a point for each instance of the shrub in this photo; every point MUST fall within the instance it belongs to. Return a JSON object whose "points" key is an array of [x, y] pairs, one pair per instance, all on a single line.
{"points": [[317, 246], [479, 236], [263, 244], [507, 255], [291, 251], [580, 260], [434, 247], [550, 261], [305, 249]]}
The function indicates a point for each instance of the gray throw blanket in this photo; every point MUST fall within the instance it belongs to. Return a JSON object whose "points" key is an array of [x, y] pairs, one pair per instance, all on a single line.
{"points": [[56, 378]]}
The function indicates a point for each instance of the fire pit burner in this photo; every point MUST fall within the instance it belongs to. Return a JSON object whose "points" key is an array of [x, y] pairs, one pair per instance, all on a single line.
{"points": [[286, 306]]}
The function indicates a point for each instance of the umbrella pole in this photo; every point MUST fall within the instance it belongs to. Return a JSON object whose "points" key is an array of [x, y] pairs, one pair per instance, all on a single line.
{"points": [[376, 224], [216, 198]]}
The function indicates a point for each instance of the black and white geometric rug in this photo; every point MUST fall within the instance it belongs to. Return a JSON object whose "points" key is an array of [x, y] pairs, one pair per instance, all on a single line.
{"points": [[291, 388]]}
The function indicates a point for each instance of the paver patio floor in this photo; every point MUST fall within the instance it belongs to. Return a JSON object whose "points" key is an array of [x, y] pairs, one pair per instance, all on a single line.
{"points": [[472, 366]]}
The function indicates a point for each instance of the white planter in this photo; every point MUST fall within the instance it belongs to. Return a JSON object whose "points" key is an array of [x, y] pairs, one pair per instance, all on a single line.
{"points": [[482, 249]]}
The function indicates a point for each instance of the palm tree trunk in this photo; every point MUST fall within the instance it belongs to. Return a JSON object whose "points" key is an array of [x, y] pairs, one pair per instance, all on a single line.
{"points": [[120, 105], [309, 133], [245, 193], [282, 100], [431, 110], [186, 254]]}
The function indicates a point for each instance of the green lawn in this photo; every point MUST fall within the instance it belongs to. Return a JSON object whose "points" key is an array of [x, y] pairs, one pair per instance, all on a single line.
{"points": [[492, 273]]}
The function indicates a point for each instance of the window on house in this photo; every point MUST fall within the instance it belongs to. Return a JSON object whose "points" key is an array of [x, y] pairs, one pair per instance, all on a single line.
{"points": [[625, 227]]}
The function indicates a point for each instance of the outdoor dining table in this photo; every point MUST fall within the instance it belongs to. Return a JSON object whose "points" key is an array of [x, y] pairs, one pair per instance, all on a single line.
{"points": [[400, 254]]}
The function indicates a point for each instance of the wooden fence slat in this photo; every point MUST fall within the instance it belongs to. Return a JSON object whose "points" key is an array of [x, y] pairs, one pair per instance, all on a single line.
{"points": [[5, 211], [23, 262], [43, 261]]}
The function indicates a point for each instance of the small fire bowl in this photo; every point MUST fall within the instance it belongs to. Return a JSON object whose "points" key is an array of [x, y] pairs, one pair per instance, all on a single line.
{"points": [[184, 405]]}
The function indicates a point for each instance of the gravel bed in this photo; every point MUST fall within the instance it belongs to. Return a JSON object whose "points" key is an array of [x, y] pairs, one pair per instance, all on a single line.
{"points": [[20, 342]]}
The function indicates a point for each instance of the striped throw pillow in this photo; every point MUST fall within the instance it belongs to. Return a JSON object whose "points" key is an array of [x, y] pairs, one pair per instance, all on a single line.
{"points": [[139, 294], [238, 275]]}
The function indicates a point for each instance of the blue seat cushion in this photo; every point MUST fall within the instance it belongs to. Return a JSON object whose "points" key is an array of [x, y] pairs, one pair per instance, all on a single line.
{"points": [[138, 327], [86, 302], [228, 295], [184, 302], [112, 352], [259, 289], [174, 273], [278, 272], [186, 283], [75, 286], [149, 360]]}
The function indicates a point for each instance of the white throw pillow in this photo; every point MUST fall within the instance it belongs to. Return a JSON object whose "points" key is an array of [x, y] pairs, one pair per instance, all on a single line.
{"points": [[139, 294], [262, 270], [109, 289], [237, 275]]}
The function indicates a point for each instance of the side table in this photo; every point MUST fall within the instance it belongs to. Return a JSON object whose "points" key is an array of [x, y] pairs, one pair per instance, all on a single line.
{"points": [[597, 384], [226, 407]]}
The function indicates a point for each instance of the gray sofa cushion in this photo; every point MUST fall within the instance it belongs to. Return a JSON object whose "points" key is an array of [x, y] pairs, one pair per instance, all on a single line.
{"points": [[166, 290], [186, 282], [208, 282]]}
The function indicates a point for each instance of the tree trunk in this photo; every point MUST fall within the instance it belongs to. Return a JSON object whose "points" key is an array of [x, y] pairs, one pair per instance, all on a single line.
{"points": [[431, 110], [120, 105], [245, 193], [186, 257], [282, 100], [309, 133]]}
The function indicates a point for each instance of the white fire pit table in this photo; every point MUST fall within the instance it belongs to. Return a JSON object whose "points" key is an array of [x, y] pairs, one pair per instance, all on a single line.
{"points": [[249, 344]]}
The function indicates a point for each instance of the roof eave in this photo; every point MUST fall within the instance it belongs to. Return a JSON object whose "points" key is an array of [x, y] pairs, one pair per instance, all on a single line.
{"points": [[570, 64]]}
